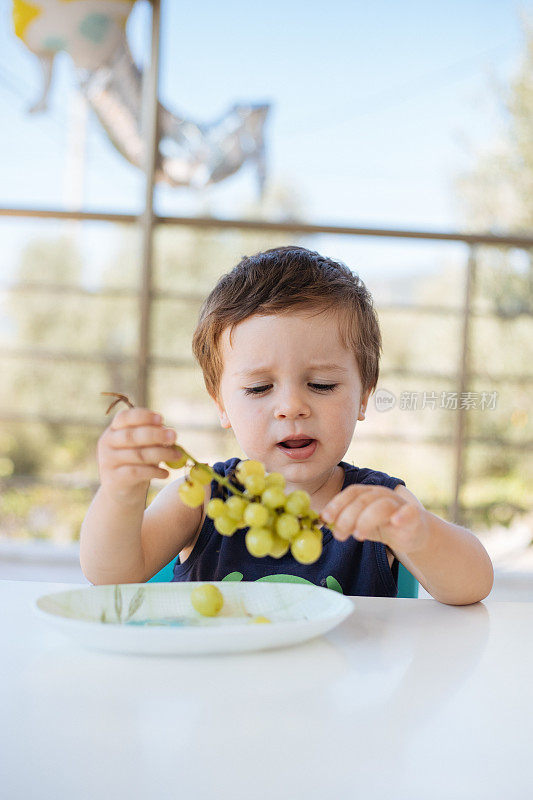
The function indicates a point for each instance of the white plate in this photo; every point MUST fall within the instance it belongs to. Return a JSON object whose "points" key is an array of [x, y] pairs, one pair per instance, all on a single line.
{"points": [[158, 618]]}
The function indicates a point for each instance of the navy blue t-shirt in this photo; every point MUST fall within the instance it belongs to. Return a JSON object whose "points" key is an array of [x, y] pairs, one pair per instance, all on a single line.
{"points": [[351, 567]]}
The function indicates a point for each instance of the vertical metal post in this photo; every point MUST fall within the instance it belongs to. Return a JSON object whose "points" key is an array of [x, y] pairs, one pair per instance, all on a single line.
{"points": [[151, 144], [463, 381]]}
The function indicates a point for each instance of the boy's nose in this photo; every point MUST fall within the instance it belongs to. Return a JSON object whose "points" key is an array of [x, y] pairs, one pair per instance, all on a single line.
{"points": [[292, 407]]}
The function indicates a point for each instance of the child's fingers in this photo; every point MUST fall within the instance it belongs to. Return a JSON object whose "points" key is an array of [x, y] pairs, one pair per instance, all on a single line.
{"points": [[332, 511], [143, 455], [144, 436], [140, 473], [375, 517], [346, 522], [133, 417]]}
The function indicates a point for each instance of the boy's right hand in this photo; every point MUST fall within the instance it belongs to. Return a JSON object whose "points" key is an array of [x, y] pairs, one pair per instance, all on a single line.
{"points": [[130, 451]]}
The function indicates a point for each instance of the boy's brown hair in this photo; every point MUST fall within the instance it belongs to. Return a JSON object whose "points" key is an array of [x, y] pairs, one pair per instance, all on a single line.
{"points": [[279, 281]]}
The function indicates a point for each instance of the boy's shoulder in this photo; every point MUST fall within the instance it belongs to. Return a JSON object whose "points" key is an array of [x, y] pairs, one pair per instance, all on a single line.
{"points": [[224, 467], [368, 476]]}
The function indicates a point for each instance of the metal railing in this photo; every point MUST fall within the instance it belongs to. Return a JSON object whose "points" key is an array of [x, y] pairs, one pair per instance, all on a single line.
{"points": [[145, 362], [147, 221]]}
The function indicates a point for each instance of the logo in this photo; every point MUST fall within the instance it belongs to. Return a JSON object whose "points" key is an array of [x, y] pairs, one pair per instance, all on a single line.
{"points": [[384, 400]]}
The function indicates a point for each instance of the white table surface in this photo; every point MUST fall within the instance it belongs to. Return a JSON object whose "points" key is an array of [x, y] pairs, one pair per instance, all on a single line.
{"points": [[405, 699]]}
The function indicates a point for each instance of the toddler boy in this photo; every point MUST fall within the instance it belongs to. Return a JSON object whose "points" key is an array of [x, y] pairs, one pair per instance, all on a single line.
{"points": [[289, 345]]}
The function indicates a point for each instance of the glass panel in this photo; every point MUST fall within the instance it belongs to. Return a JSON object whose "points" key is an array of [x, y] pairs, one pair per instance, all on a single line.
{"points": [[498, 485], [504, 281], [69, 330], [432, 484]]}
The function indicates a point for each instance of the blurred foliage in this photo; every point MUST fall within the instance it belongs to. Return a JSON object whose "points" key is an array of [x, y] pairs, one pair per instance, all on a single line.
{"points": [[47, 511]]}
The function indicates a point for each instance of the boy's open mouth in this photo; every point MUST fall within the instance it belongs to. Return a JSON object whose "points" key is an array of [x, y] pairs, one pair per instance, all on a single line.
{"points": [[299, 447], [292, 444]]}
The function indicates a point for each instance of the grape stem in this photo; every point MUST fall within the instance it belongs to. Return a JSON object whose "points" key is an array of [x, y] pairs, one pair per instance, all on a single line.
{"points": [[215, 476]]}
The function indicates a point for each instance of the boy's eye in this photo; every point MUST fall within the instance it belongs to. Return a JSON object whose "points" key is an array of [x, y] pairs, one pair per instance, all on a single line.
{"points": [[323, 387], [320, 387], [256, 389]]}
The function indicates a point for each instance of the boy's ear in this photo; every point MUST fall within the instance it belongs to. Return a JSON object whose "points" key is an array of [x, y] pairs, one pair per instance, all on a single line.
{"points": [[224, 420], [363, 405]]}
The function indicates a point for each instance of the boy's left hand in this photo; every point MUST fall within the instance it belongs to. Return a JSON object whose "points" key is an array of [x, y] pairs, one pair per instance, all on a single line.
{"points": [[378, 514]]}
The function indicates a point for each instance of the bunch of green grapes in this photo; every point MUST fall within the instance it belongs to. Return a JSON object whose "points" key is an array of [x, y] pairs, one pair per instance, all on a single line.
{"points": [[276, 521]]}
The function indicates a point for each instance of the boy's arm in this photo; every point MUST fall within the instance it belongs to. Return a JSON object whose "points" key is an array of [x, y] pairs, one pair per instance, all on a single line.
{"points": [[127, 543], [452, 565], [449, 561], [120, 542], [169, 526]]}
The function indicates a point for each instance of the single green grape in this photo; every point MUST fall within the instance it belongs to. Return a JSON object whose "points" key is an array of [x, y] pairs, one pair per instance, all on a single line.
{"points": [[279, 546], [273, 497], [255, 515], [246, 468], [258, 541], [307, 548], [275, 479], [215, 508], [255, 484], [192, 494], [201, 473], [225, 525], [287, 526], [207, 599], [298, 503], [235, 507], [177, 464]]}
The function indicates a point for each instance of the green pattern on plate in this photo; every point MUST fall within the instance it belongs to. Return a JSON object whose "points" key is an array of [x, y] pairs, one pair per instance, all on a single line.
{"points": [[234, 576], [333, 583]]}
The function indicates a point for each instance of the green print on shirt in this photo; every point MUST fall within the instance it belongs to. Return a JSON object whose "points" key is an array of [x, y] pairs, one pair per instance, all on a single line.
{"points": [[331, 582]]}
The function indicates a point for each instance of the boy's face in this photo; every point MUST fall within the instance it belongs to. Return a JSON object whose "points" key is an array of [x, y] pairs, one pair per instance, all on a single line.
{"points": [[288, 376]]}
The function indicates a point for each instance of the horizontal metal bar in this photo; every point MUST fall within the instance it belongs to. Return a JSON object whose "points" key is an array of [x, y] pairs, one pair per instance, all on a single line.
{"points": [[66, 356], [66, 481], [21, 482], [413, 308], [345, 230], [196, 297], [489, 239], [104, 291], [85, 216], [92, 358], [99, 424], [186, 363], [91, 422], [397, 372], [65, 289]]}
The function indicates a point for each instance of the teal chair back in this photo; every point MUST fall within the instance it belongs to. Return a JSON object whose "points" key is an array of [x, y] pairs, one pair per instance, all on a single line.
{"points": [[164, 575], [407, 583]]}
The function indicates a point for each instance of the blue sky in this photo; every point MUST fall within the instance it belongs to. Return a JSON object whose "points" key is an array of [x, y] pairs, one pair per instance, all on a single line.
{"points": [[377, 107]]}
